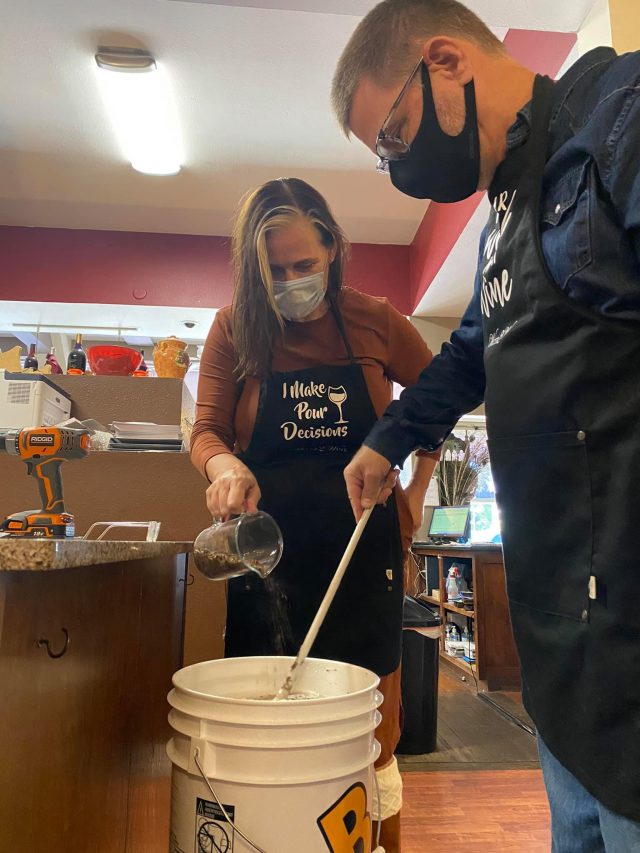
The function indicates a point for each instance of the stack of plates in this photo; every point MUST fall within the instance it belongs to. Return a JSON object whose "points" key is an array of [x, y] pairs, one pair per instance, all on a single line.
{"points": [[146, 436]]}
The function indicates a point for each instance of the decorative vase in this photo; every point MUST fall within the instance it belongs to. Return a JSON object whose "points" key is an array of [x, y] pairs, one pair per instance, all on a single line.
{"points": [[170, 358]]}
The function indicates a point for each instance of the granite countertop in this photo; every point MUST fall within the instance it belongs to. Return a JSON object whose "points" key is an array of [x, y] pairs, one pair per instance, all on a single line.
{"points": [[42, 554]]}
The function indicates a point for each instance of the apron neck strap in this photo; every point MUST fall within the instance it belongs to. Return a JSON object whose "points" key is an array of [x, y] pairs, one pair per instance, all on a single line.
{"points": [[332, 299]]}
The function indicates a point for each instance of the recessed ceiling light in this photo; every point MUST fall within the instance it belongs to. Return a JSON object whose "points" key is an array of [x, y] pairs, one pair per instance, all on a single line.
{"points": [[138, 99]]}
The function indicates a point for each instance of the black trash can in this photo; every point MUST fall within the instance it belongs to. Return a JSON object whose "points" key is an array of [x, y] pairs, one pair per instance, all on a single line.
{"points": [[422, 627]]}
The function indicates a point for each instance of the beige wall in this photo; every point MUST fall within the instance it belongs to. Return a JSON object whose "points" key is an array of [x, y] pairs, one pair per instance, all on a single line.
{"points": [[435, 330], [611, 22], [625, 24]]}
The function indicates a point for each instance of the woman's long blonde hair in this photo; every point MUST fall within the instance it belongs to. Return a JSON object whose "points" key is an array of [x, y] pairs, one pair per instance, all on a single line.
{"points": [[257, 324]]}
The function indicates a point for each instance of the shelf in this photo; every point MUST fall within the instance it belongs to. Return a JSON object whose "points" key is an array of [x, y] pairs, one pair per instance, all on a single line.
{"points": [[460, 610], [424, 597]]}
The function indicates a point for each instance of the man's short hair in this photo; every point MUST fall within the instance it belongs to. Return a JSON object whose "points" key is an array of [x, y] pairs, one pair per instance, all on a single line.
{"points": [[385, 44]]}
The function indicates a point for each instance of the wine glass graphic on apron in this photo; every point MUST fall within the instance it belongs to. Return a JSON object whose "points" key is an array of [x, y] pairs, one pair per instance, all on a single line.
{"points": [[338, 396]]}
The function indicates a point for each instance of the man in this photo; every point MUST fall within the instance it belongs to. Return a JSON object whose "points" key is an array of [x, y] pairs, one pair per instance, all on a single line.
{"points": [[551, 342]]}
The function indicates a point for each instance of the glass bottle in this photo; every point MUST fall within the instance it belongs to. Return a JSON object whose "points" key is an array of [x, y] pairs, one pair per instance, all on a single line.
{"points": [[53, 362], [77, 361], [31, 361]]}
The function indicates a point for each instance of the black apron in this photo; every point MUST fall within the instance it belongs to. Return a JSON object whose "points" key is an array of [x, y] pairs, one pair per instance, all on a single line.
{"points": [[563, 406], [308, 426]]}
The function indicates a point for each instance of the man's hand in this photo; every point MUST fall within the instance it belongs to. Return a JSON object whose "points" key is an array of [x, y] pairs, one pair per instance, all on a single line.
{"points": [[370, 480]]}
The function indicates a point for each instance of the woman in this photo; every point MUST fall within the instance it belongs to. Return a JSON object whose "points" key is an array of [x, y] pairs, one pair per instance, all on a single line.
{"points": [[292, 377]]}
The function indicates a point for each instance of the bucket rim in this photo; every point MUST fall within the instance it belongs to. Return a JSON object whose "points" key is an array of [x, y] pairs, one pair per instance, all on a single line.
{"points": [[176, 720], [231, 700], [179, 703]]}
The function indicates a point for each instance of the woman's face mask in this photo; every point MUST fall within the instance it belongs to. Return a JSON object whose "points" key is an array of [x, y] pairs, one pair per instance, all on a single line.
{"points": [[298, 298]]}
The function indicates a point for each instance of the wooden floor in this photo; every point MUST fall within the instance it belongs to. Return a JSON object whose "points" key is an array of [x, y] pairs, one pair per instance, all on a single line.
{"points": [[472, 735], [481, 790], [483, 811]]}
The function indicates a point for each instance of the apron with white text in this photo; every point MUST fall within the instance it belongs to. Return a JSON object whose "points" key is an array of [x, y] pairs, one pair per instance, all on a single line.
{"points": [[308, 426], [563, 418]]}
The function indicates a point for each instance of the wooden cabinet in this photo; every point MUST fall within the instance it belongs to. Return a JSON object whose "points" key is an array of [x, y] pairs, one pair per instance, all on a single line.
{"points": [[135, 486], [82, 735], [164, 487], [497, 665]]}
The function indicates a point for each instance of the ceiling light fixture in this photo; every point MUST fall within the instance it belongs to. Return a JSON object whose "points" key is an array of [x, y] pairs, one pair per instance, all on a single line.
{"points": [[138, 99]]}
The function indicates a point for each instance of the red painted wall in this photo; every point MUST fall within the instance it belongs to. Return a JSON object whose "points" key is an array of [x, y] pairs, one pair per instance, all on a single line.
{"points": [[542, 52], [60, 265], [381, 271], [122, 267], [64, 265]]}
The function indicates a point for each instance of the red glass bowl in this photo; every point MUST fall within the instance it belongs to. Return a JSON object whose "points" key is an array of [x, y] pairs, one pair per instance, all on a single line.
{"points": [[113, 361]]}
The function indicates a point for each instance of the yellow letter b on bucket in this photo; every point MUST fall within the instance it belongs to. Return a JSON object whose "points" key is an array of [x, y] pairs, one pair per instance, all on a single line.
{"points": [[346, 826]]}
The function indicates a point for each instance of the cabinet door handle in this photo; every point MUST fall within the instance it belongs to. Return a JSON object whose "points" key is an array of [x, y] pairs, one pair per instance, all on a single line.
{"points": [[43, 641], [189, 580]]}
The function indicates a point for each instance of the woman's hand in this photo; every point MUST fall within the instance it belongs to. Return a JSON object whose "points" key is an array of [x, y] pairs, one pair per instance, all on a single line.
{"points": [[233, 488]]}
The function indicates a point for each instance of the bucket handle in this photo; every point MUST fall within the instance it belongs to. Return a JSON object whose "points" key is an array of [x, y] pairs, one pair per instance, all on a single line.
{"points": [[378, 848], [196, 758]]}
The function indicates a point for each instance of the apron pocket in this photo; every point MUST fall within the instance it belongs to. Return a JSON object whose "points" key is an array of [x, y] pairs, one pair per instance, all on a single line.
{"points": [[544, 493]]}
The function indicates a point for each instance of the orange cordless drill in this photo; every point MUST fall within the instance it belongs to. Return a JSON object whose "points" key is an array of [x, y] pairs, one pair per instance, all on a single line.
{"points": [[44, 449]]}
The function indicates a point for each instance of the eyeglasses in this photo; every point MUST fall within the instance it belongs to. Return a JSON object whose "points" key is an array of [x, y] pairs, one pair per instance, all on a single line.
{"points": [[390, 148]]}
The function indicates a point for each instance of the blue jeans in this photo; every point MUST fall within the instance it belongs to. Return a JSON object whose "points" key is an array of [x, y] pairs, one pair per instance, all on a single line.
{"points": [[579, 822]]}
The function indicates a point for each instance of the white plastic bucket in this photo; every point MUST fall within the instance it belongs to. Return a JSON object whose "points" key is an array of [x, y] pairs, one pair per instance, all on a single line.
{"points": [[292, 776]]}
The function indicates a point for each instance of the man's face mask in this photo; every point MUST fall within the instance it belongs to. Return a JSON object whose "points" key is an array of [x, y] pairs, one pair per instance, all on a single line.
{"points": [[438, 166], [299, 298]]}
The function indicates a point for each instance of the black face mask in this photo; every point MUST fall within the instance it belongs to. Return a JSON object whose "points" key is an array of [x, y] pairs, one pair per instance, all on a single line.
{"points": [[438, 166]]}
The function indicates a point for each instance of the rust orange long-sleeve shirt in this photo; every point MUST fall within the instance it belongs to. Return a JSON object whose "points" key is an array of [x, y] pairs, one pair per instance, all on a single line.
{"points": [[384, 343]]}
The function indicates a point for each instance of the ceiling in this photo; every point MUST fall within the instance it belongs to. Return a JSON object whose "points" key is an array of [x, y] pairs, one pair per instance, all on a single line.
{"points": [[251, 84]]}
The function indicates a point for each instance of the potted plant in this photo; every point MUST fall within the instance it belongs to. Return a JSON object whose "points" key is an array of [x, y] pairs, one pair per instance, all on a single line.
{"points": [[461, 461]]}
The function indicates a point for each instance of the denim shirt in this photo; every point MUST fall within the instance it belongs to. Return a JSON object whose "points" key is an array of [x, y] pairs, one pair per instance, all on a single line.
{"points": [[590, 235]]}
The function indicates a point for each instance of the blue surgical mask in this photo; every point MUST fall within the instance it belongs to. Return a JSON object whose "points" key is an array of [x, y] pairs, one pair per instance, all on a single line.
{"points": [[298, 298]]}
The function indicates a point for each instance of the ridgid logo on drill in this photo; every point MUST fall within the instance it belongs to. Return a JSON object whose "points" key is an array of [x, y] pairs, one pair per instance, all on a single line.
{"points": [[312, 410], [346, 826], [41, 439]]}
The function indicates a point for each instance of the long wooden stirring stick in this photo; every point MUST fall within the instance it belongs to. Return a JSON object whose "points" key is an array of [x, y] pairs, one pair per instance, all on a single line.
{"points": [[312, 633]]}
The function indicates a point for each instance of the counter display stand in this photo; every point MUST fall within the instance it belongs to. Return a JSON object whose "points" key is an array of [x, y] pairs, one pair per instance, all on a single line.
{"points": [[496, 666]]}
